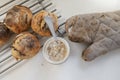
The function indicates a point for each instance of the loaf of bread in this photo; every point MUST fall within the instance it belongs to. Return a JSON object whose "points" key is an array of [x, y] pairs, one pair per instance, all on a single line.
{"points": [[18, 19], [25, 46], [100, 30], [39, 26]]}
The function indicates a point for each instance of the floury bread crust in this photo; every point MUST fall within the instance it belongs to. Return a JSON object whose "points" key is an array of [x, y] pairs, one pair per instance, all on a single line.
{"points": [[39, 25], [101, 30], [25, 46], [18, 19], [4, 34]]}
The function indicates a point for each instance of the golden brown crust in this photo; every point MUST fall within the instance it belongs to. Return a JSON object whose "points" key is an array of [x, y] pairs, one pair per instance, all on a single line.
{"points": [[18, 19], [39, 26], [25, 46], [4, 34]]}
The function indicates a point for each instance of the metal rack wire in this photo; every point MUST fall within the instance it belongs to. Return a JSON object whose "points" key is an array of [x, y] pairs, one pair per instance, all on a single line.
{"points": [[35, 6]]}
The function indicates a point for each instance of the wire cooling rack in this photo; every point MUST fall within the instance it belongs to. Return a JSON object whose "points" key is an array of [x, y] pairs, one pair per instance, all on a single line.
{"points": [[7, 62]]}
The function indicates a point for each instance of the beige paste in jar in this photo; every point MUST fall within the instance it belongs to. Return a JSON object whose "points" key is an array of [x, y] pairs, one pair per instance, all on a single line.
{"points": [[56, 50]]}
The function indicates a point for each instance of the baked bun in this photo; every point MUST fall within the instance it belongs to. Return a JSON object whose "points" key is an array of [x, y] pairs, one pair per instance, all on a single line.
{"points": [[4, 34], [18, 19], [25, 46], [39, 26]]}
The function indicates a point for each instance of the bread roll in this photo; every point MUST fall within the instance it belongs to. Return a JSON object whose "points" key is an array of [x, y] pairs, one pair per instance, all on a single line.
{"points": [[18, 19], [39, 26], [4, 34], [25, 46]]}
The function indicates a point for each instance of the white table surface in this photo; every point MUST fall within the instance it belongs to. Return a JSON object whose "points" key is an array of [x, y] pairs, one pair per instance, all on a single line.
{"points": [[105, 67]]}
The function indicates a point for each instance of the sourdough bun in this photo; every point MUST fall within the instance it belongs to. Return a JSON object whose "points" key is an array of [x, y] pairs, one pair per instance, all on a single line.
{"points": [[4, 34], [39, 26], [18, 19], [25, 46]]}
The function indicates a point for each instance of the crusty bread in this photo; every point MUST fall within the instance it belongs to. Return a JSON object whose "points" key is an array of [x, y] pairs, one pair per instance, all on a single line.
{"points": [[25, 46], [4, 34], [18, 19], [39, 26]]}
